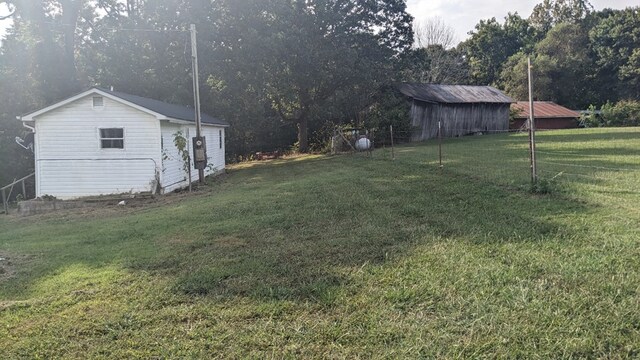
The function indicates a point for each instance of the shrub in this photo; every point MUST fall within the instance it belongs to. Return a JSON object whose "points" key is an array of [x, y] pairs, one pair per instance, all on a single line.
{"points": [[622, 113]]}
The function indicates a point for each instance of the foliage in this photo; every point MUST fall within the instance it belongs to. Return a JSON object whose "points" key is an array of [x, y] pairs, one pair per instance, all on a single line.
{"points": [[561, 68], [435, 65], [180, 142], [514, 77], [550, 13], [591, 118], [542, 186], [616, 43], [391, 109], [492, 43], [622, 113], [314, 52], [586, 61]]}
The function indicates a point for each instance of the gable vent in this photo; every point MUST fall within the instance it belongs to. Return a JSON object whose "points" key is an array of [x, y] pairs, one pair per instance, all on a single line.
{"points": [[98, 101]]}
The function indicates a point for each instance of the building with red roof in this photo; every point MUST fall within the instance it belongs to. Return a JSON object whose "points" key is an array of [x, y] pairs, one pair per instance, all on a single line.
{"points": [[548, 115]]}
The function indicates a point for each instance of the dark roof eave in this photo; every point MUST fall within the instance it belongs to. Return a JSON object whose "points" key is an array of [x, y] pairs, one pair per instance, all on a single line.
{"points": [[223, 123], [463, 103]]}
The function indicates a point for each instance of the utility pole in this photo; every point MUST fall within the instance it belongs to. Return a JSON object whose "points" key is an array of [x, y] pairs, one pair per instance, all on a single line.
{"points": [[532, 127], [199, 149]]}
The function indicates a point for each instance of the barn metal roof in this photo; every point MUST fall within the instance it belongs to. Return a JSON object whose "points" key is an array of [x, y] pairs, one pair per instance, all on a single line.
{"points": [[173, 111], [454, 94], [543, 109]]}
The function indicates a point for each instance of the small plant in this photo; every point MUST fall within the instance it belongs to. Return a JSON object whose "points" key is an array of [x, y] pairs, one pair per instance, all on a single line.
{"points": [[542, 186], [181, 144]]}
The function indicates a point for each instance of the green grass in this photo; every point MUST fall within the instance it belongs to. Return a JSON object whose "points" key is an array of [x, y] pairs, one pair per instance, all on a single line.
{"points": [[348, 257]]}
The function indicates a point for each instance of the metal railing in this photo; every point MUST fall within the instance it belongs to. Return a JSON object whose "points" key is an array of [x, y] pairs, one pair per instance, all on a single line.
{"points": [[5, 197]]}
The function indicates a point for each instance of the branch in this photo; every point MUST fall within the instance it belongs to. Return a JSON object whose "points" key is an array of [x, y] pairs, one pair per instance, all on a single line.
{"points": [[11, 11], [280, 112]]}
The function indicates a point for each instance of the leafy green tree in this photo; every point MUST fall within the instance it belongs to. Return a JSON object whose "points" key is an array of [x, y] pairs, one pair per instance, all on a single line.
{"points": [[616, 43], [550, 13], [307, 54], [492, 43], [514, 77], [562, 69]]}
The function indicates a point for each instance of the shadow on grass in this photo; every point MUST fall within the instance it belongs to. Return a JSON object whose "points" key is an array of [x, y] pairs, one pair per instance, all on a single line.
{"points": [[304, 237], [295, 230]]}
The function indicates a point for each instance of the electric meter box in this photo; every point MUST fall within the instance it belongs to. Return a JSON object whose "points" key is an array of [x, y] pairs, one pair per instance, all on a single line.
{"points": [[200, 152]]}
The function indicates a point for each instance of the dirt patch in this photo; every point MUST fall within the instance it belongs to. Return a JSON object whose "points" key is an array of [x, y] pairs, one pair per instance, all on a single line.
{"points": [[9, 264], [230, 242]]}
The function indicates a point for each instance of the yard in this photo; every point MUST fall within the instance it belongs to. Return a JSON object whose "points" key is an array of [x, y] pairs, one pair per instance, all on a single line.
{"points": [[347, 257]]}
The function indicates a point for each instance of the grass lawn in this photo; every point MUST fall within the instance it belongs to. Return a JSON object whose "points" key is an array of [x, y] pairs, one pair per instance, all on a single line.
{"points": [[348, 257]]}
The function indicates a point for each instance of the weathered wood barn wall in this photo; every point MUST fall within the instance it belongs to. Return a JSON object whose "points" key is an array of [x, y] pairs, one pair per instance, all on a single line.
{"points": [[460, 109]]}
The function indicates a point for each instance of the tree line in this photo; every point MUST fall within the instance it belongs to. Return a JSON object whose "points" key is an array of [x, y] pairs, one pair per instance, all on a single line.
{"points": [[285, 72]]}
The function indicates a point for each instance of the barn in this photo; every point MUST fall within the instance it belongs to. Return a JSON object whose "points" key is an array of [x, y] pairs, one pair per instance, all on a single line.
{"points": [[459, 109], [103, 142], [548, 115]]}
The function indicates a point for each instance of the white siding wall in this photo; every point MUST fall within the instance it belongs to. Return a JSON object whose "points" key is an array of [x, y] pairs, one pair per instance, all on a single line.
{"points": [[173, 174], [70, 162]]}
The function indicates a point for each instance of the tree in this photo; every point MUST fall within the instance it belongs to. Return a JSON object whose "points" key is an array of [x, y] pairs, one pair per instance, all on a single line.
{"points": [[492, 43], [37, 67], [435, 65], [51, 27], [432, 61], [562, 68], [616, 44], [515, 77], [312, 53], [433, 31], [552, 12]]}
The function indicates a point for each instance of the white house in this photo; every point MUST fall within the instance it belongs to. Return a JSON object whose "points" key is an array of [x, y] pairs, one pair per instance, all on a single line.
{"points": [[104, 142]]}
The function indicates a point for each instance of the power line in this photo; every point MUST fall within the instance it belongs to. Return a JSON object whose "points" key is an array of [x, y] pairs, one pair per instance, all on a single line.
{"points": [[112, 28]]}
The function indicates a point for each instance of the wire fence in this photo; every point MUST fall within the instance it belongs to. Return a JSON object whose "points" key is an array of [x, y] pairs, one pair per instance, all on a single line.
{"points": [[601, 163]]}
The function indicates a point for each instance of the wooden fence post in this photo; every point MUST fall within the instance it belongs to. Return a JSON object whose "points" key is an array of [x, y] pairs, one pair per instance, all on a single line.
{"points": [[393, 155], [440, 141], [4, 203]]}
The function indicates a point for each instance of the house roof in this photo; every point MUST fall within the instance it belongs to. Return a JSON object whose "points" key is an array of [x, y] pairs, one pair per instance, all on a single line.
{"points": [[160, 109], [169, 110], [542, 110], [454, 94]]}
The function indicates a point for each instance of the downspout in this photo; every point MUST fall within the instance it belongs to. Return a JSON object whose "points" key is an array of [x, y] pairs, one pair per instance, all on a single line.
{"points": [[33, 130]]}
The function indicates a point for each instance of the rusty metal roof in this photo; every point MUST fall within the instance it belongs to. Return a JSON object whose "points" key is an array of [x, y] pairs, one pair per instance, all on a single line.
{"points": [[543, 109], [454, 94]]}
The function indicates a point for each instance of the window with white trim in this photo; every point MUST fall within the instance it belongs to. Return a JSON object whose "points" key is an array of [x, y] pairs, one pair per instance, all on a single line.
{"points": [[220, 135], [112, 138]]}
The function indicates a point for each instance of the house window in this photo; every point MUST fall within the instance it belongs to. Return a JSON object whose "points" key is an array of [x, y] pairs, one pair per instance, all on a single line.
{"points": [[112, 138], [220, 135], [98, 101]]}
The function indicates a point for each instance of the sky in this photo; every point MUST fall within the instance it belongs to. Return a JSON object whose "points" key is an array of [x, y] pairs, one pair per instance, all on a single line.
{"points": [[463, 15]]}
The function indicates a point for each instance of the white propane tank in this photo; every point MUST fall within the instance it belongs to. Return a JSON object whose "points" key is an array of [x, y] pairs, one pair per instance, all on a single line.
{"points": [[363, 144]]}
